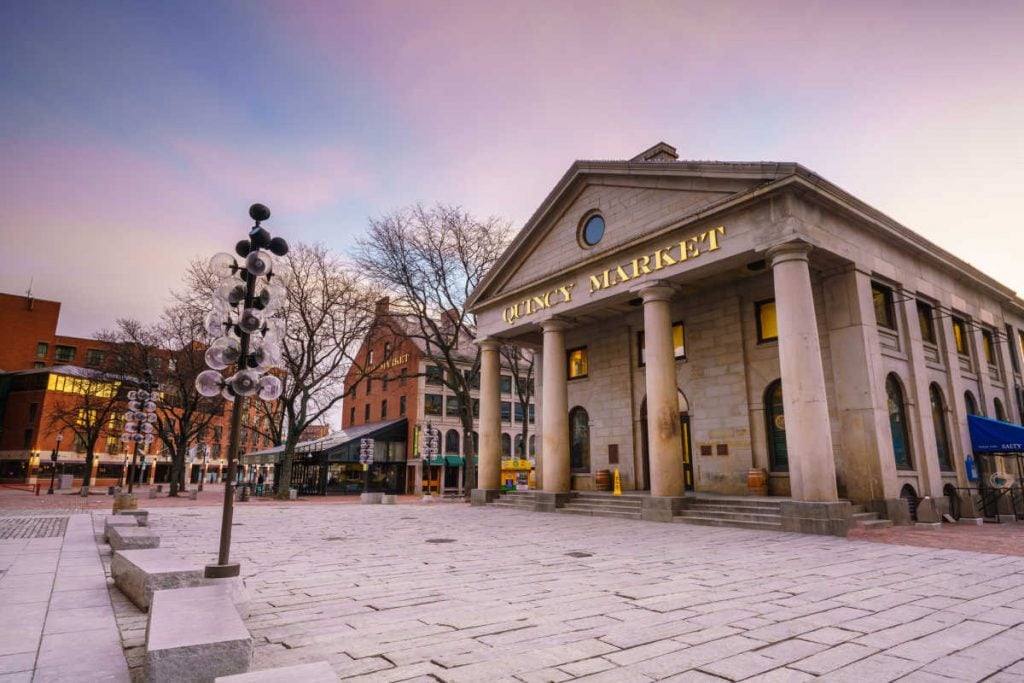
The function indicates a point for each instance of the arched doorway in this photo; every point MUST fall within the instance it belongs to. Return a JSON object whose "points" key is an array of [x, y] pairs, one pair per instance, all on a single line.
{"points": [[684, 431]]}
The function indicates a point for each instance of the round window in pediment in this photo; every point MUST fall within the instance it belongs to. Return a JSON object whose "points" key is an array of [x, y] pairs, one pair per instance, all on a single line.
{"points": [[592, 230]]}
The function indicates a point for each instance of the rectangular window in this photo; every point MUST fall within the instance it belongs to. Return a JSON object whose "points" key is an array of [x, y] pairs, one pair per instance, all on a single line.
{"points": [[434, 375], [506, 411], [476, 408], [112, 444], [33, 411], [65, 354], [960, 336], [218, 433], [678, 343], [577, 362], [401, 378], [401, 406], [432, 404], [366, 413], [95, 357], [506, 384], [533, 417], [767, 325], [885, 314], [39, 364], [42, 348], [518, 414], [988, 346], [369, 385], [1013, 352], [452, 406], [1020, 341], [925, 318], [472, 378], [27, 440], [384, 409]]}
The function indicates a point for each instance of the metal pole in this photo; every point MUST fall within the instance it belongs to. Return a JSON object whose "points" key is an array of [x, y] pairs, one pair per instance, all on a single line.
{"points": [[223, 569], [131, 469], [53, 471]]}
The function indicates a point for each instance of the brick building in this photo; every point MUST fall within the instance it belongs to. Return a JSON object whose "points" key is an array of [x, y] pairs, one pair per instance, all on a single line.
{"points": [[41, 370]]}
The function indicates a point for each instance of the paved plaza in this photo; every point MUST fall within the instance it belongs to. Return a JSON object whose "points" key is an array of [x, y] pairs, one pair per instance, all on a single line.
{"points": [[446, 592]]}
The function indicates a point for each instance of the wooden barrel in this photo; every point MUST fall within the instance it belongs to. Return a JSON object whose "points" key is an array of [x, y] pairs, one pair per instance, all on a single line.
{"points": [[603, 480], [125, 501], [757, 482]]}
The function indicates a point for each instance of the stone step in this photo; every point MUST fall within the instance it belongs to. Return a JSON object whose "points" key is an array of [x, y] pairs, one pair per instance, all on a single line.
{"points": [[619, 514], [511, 506], [874, 524], [767, 507], [590, 502], [734, 515], [864, 516], [714, 521]]}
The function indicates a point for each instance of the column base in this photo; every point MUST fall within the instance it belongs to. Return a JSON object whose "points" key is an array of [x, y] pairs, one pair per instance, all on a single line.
{"points": [[222, 571], [545, 501], [895, 510], [826, 519], [661, 508], [478, 497]]}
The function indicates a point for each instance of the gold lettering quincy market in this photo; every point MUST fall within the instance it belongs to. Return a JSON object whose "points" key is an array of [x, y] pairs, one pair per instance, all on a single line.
{"points": [[685, 250], [558, 295]]}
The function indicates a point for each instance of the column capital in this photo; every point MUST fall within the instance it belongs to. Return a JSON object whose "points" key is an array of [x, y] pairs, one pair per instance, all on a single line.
{"points": [[659, 290], [795, 250], [489, 344], [554, 324]]}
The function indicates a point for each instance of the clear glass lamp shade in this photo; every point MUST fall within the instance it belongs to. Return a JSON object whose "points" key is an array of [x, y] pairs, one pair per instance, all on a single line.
{"points": [[269, 388], [131, 427], [138, 438], [231, 346], [151, 418], [245, 382], [209, 383], [129, 416], [134, 406], [223, 265], [132, 395], [138, 415], [150, 406], [216, 322], [231, 291], [142, 395], [215, 358], [126, 438], [226, 393], [267, 357], [146, 428], [259, 262], [251, 320], [281, 272], [148, 439]]}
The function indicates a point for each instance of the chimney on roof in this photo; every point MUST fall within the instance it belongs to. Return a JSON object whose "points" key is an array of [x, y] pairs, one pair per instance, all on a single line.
{"points": [[383, 306], [660, 152]]}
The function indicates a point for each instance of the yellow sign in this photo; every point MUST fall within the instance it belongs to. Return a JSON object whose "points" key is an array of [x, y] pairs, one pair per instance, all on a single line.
{"points": [[391, 363], [673, 254]]}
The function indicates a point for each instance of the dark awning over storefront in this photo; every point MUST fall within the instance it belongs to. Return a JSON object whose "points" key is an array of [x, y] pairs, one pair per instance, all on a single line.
{"points": [[995, 436], [344, 445]]}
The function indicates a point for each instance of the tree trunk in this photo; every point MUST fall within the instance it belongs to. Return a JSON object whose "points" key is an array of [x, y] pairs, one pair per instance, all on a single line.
{"points": [[286, 467], [87, 477], [467, 428]]}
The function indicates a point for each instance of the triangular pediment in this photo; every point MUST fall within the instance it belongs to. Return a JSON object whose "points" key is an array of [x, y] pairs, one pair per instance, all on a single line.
{"points": [[637, 201]]}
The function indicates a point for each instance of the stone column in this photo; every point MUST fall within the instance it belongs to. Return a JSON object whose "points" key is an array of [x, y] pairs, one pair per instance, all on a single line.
{"points": [[490, 416], [808, 432], [538, 427], [555, 433], [663, 436]]}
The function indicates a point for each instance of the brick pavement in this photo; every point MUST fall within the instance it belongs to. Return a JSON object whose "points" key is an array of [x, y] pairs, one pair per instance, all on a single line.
{"points": [[518, 596]]}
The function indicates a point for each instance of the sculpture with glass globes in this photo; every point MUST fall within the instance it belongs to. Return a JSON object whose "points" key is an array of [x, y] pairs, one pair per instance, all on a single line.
{"points": [[247, 344]]}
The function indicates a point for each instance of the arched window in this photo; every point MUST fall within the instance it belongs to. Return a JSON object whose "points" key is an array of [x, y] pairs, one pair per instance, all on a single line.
{"points": [[451, 442], [898, 422], [533, 446], [579, 440], [941, 433], [972, 405], [775, 419], [519, 446], [1000, 413], [506, 446]]}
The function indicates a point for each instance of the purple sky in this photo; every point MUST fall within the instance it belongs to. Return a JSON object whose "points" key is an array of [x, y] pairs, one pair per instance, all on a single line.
{"points": [[134, 135]]}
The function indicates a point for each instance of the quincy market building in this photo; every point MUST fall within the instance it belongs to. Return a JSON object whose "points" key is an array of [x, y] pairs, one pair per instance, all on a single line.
{"points": [[699, 319]]}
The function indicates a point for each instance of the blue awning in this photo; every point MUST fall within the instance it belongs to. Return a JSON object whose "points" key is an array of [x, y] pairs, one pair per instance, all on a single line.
{"points": [[995, 436]]}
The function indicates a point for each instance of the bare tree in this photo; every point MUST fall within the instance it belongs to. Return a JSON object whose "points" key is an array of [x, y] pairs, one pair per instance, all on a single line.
{"points": [[521, 364], [328, 312], [88, 404], [173, 350], [430, 260]]}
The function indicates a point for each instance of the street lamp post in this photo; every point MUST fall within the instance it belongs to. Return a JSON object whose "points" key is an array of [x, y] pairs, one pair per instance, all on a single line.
{"points": [[247, 338], [139, 420], [53, 466], [124, 472], [202, 472]]}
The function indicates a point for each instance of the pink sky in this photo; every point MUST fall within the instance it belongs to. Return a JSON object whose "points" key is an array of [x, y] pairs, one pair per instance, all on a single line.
{"points": [[133, 138]]}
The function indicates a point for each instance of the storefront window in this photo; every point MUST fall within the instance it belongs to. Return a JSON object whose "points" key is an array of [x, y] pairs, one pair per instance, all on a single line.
{"points": [[431, 404], [898, 422], [775, 418], [579, 440], [578, 366]]}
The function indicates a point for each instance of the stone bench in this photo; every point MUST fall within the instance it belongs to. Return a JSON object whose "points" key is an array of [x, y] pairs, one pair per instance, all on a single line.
{"points": [[314, 672], [138, 573], [141, 516], [132, 538], [195, 634], [111, 521]]}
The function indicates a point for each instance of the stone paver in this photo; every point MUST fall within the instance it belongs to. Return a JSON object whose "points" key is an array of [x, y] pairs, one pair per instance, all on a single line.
{"points": [[362, 588]]}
